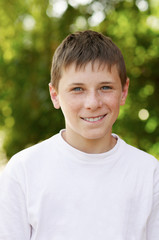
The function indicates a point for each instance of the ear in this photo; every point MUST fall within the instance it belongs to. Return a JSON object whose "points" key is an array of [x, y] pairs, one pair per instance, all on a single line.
{"points": [[124, 92], [54, 96]]}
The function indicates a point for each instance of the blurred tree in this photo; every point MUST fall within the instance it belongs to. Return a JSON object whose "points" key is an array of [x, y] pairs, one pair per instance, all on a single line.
{"points": [[31, 30]]}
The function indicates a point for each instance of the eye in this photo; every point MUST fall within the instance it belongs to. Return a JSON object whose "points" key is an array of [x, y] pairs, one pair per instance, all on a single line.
{"points": [[106, 88], [77, 89]]}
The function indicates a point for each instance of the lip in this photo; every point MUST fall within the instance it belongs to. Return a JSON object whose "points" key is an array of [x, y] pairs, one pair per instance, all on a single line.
{"points": [[94, 119]]}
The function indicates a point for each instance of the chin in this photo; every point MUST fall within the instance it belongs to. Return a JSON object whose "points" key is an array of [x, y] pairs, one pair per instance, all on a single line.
{"points": [[94, 136]]}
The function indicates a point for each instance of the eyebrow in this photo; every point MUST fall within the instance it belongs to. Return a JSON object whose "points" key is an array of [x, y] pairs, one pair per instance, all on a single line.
{"points": [[106, 82], [80, 84], [76, 84]]}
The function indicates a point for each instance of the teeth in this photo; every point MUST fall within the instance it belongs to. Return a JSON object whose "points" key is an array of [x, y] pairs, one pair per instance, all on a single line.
{"points": [[93, 119]]}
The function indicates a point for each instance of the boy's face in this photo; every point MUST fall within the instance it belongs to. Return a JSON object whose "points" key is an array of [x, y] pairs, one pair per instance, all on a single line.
{"points": [[90, 101]]}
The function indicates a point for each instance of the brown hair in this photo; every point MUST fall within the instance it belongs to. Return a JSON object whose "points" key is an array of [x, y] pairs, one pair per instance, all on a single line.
{"points": [[84, 47]]}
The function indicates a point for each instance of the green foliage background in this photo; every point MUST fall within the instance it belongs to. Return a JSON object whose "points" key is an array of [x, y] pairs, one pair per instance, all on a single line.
{"points": [[30, 31]]}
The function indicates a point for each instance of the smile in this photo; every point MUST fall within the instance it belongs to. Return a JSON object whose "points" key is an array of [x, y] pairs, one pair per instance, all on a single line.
{"points": [[94, 119]]}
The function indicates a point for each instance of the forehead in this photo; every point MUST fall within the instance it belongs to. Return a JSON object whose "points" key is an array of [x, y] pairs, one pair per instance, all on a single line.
{"points": [[89, 73], [93, 66]]}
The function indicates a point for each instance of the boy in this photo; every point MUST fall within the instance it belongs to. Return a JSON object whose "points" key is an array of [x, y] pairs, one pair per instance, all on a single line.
{"points": [[84, 183]]}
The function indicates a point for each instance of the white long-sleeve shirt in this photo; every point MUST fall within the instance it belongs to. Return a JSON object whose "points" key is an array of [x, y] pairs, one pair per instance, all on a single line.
{"points": [[53, 191]]}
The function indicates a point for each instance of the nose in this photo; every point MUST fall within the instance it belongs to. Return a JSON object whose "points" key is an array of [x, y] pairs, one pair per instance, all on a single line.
{"points": [[93, 101]]}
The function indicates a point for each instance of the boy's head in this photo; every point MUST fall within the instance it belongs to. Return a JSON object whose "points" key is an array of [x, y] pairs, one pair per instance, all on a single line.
{"points": [[84, 47]]}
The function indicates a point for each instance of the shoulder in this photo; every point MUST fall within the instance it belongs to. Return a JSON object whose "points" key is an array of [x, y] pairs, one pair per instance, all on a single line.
{"points": [[139, 157], [32, 157], [38, 150]]}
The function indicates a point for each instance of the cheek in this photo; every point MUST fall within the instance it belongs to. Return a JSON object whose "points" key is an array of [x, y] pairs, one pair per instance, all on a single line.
{"points": [[70, 105], [112, 100]]}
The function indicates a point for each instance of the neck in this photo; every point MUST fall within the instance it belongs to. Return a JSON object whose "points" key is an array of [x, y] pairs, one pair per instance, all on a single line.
{"points": [[93, 146]]}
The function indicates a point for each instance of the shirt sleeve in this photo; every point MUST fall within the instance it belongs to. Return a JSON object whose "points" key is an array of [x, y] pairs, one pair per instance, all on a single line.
{"points": [[153, 223], [13, 214]]}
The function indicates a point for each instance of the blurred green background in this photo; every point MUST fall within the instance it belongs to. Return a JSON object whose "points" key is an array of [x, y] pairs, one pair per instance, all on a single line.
{"points": [[30, 31]]}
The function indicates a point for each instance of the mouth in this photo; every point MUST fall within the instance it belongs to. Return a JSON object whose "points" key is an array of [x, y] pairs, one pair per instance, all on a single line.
{"points": [[94, 119]]}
